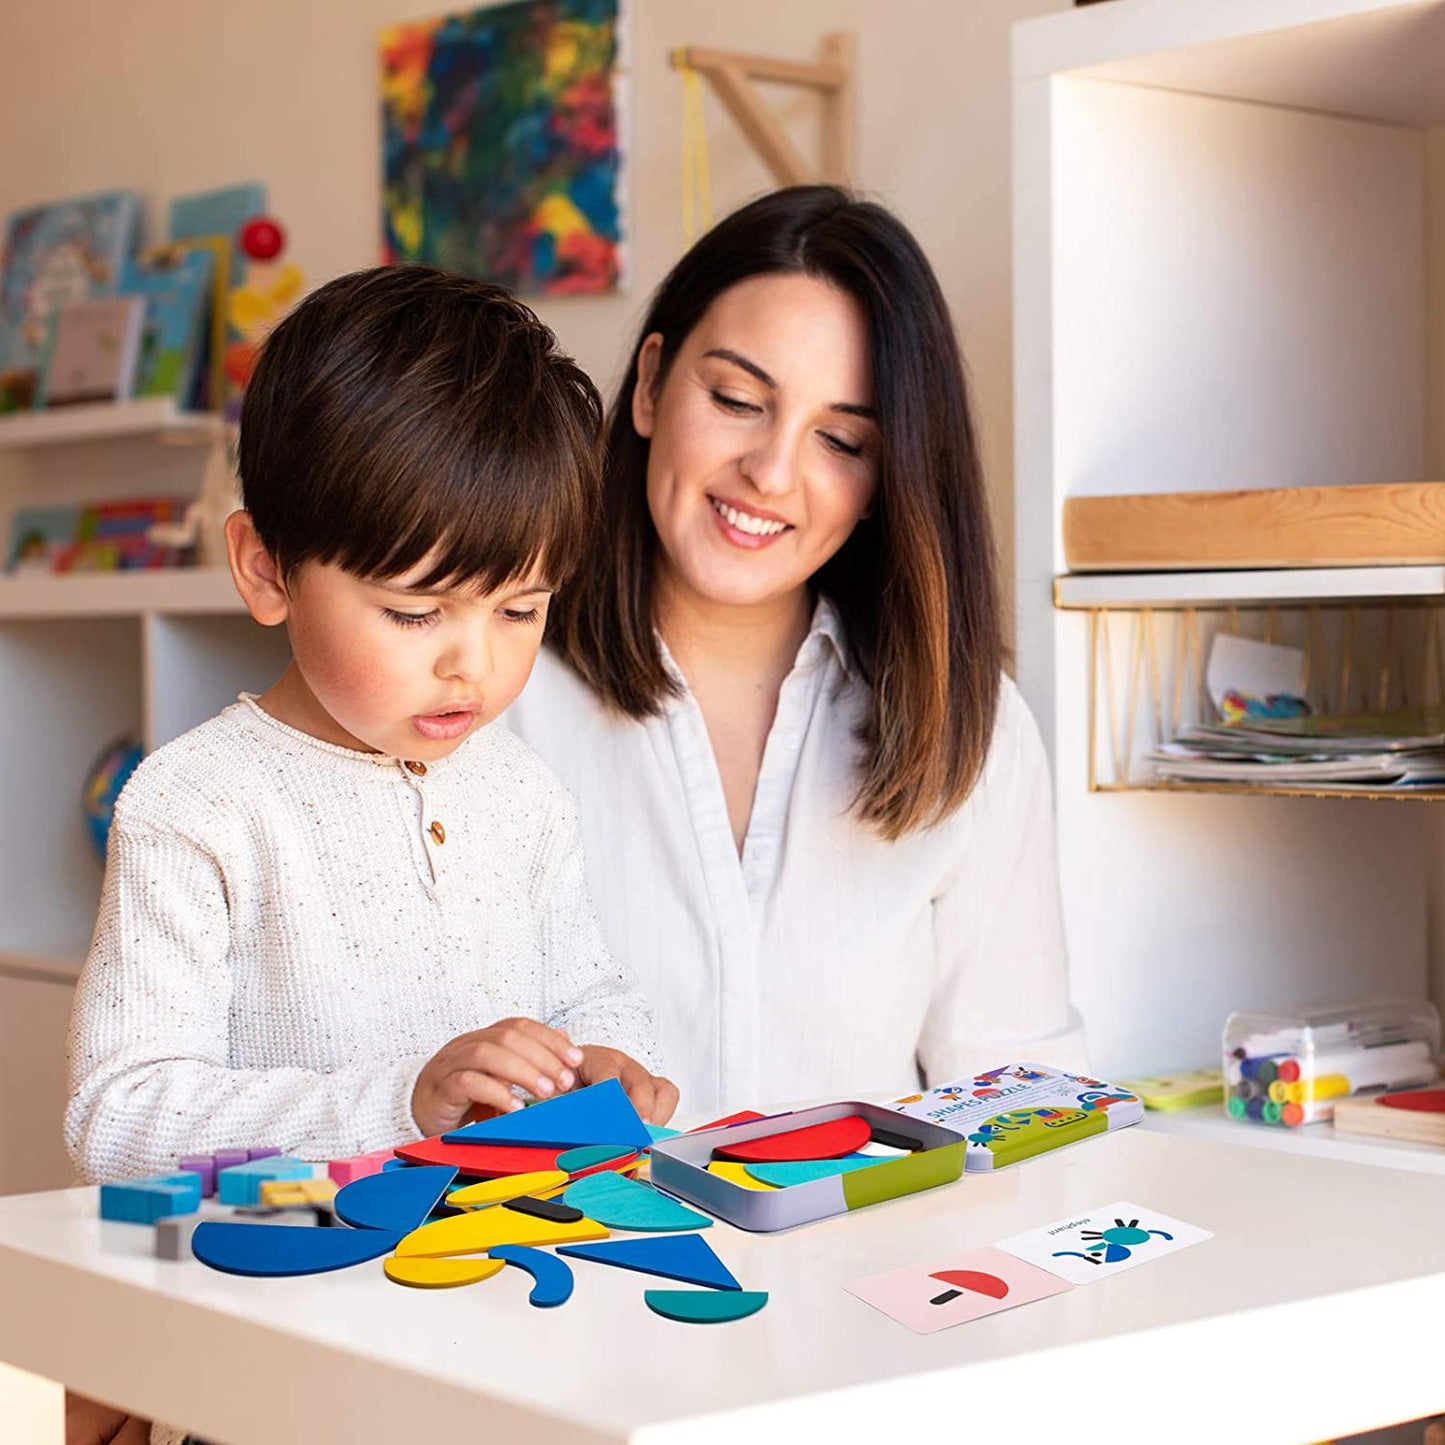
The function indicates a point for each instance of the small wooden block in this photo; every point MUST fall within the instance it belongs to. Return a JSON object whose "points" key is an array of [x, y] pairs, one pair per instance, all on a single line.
{"points": [[818, 1141], [477, 1231], [241, 1183], [441, 1273], [705, 1306], [509, 1186], [552, 1279], [545, 1209], [358, 1166], [297, 1193], [173, 1236], [143, 1201], [625, 1204], [736, 1174]]}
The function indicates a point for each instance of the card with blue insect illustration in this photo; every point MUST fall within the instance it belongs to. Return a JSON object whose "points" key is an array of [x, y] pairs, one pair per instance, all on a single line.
{"points": [[1091, 1246]]}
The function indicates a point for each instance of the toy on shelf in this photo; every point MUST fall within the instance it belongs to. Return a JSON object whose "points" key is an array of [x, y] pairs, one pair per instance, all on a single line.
{"points": [[1288, 1069], [1416, 1116], [107, 776], [271, 286], [1183, 1089]]}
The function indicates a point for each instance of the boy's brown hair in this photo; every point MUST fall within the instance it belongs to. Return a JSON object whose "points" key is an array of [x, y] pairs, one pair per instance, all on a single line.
{"points": [[402, 414]]}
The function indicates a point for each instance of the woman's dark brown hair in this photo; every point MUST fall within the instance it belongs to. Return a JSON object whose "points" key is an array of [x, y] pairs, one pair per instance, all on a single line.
{"points": [[915, 585]]}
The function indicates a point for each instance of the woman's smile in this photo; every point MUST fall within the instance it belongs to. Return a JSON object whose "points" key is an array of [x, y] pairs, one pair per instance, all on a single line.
{"points": [[746, 528]]}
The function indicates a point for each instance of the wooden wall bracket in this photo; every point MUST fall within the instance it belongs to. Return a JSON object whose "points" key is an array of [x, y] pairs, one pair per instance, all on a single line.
{"points": [[731, 76]]}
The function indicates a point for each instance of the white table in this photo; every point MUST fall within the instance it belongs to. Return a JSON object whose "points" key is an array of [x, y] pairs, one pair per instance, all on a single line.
{"points": [[1317, 1309]]}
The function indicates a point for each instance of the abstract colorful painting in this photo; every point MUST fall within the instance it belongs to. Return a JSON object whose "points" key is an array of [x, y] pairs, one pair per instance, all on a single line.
{"points": [[500, 145]]}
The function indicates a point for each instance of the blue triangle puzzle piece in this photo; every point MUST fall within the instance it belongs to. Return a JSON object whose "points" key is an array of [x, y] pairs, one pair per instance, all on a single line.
{"points": [[688, 1257], [397, 1199], [282, 1249], [599, 1114]]}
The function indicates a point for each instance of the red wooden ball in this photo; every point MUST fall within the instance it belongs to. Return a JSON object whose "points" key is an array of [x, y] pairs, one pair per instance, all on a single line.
{"points": [[262, 238]]}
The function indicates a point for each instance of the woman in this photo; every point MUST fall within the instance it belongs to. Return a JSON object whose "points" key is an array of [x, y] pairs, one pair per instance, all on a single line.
{"points": [[816, 811]]}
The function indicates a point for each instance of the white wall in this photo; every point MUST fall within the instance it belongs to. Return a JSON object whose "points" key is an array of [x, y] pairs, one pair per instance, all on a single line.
{"points": [[168, 98]]}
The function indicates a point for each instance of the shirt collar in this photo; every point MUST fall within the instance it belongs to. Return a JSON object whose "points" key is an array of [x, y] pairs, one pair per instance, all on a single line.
{"points": [[826, 631]]}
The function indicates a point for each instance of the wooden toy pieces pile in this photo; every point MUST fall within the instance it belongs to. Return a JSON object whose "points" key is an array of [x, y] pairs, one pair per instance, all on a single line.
{"points": [[456, 1209]]}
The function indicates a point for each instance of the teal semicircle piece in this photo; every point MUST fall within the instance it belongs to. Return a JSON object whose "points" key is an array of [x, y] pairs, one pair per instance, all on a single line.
{"points": [[551, 1277], [622, 1203], [279, 1249], [398, 1200], [705, 1306], [574, 1161], [804, 1171]]}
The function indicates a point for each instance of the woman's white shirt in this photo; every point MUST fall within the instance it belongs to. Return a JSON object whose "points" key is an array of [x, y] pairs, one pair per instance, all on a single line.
{"points": [[825, 961]]}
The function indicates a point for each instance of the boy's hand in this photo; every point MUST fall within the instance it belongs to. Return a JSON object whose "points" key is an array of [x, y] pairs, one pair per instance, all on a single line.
{"points": [[472, 1077], [652, 1096]]}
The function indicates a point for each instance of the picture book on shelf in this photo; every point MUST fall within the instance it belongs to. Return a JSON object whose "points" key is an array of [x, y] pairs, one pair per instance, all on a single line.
{"points": [[92, 353], [102, 537], [176, 283], [1020, 1110], [64, 251]]}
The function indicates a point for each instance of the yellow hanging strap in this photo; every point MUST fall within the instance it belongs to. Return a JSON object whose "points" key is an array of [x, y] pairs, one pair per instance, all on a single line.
{"points": [[696, 185]]}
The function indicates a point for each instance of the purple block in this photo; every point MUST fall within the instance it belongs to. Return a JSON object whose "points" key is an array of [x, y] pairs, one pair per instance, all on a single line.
{"points": [[229, 1158], [205, 1166], [265, 1152]]}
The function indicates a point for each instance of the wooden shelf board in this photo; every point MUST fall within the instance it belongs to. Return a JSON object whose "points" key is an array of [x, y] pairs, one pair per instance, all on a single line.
{"points": [[177, 590], [1282, 585], [1320, 1140], [1253, 790], [150, 416]]}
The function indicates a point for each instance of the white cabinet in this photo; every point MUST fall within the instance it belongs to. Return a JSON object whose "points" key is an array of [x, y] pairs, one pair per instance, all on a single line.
{"points": [[84, 660], [1226, 270]]}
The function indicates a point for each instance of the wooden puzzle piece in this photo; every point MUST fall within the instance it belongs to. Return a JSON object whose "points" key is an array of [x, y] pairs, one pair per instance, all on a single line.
{"points": [[599, 1114], [265, 1250], [241, 1183], [736, 1174], [509, 1186], [479, 1161], [804, 1171], [743, 1116], [297, 1193], [143, 1201], [173, 1236], [704, 1306], [551, 1278], [575, 1161], [399, 1201], [660, 1132], [441, 1273], [551, 1209], [687, 1257], [625, 1204], [477, 1231], [358, 1166], [817, 1141]]}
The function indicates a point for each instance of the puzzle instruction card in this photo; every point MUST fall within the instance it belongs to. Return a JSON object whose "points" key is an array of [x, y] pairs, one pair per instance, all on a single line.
{"points": [[1092, 1246], [1021, 1110]]}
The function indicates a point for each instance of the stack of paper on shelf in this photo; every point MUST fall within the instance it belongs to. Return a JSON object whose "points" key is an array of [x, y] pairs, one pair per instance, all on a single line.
{"points": [[1400, 750]]}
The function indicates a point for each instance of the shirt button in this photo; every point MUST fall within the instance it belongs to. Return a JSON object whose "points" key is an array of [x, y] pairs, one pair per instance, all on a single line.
{"points": [[419, 769], [438, 832]]}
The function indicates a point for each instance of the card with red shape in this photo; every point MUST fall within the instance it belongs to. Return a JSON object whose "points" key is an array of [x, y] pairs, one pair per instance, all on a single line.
{"points": [[950, 1292]]}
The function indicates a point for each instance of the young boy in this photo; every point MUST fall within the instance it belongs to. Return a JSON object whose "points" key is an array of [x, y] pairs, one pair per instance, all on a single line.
{"points": [[347, 913]]}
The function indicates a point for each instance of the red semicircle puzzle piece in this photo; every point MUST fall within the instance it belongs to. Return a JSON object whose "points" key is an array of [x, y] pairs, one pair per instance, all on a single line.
{"points": [[818, 1141], [1419, 1101], [480, 1161]]}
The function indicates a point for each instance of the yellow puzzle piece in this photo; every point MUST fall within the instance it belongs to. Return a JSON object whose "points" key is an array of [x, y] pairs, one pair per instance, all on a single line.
{"points": [[293, 1193], [480, 1230], [736, 1174], [512, 1186], [441, 1273]]}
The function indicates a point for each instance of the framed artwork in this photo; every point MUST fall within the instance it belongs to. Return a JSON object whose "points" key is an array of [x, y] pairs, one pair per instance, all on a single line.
{"points": [[501, 149]]}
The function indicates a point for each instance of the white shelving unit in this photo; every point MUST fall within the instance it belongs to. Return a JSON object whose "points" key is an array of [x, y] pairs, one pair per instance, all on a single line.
{"points": [[86, 659], [1227, 247]]}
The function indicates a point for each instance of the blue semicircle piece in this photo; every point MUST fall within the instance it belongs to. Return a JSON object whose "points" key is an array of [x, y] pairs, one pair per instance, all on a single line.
{"points": [[551, 1278], [274, 1250], [398, 1200]]}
